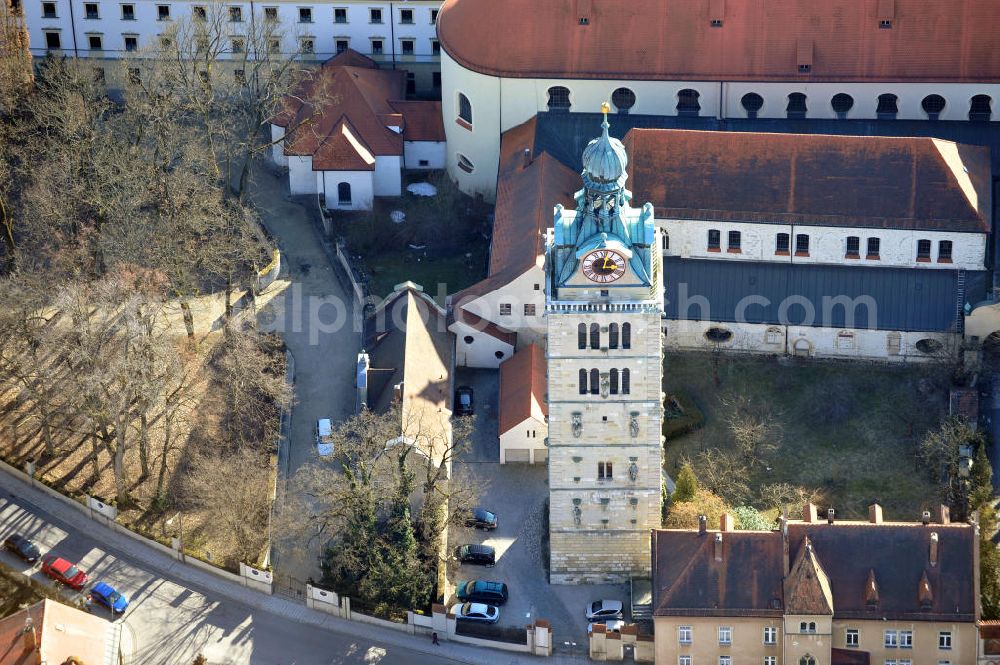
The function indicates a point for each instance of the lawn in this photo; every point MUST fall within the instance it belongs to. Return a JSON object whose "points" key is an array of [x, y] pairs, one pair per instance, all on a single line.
{"points": [[848, 430], [441, 244]]}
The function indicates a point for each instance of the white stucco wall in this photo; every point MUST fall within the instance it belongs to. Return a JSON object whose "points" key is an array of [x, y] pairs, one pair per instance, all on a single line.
{"points": [[499, 104], [528, 435], [809, 341], [517, 293], [433, 152], [480, 349], [301, 177], [388, 175], [278, 149], [827, 245], [362, 189]]}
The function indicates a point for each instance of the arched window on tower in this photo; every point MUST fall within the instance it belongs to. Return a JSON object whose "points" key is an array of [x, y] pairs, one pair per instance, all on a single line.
{"points": [[887, 108], [796, 108], [980, 108], [595, 382], [626, 335], [687, 102], [613, 336], [595, 336], [932, 106], [559, 98], [752, 103], [581, 336], [583, 382], [614, 381], [626, 381], [464, 109], [842, 104]]}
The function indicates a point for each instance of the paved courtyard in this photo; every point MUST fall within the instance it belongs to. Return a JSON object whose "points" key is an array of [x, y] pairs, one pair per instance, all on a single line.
{"points": [[518, 494]]}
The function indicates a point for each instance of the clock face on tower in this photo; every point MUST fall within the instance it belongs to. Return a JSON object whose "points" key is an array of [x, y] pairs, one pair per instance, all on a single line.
{"points": [[603, 266]]}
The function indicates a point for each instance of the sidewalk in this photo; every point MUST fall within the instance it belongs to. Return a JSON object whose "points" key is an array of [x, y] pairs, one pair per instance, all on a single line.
{"points": [[152, 560]]}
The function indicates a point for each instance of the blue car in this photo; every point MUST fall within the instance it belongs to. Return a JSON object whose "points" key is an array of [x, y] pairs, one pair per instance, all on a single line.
{"points": [[106, 595]]}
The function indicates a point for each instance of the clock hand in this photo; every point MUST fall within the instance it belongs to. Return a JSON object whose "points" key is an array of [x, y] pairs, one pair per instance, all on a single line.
{"points": [[605, 266]]}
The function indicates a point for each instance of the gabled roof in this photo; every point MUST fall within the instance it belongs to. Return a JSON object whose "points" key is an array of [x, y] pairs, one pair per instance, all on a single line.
{"points": [[815, 179], [689, 581], [523, 388], [59, 632], [807, 588], [409, 346], [896, 555], [342, 150], [528, 188], [758, 39]]}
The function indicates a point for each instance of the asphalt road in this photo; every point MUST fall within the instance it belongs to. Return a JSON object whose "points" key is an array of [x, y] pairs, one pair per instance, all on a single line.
{"points": [[177, 612]]}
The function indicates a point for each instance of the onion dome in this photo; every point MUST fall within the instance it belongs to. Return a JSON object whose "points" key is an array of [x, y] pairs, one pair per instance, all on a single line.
{"points": [[604, 158]]}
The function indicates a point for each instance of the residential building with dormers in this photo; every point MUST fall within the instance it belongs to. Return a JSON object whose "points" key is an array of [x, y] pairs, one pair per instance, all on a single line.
{"points": [[818, 592]]}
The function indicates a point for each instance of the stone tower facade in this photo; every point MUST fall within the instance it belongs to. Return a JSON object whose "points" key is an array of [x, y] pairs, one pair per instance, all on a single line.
{"points": [[604, 303]]}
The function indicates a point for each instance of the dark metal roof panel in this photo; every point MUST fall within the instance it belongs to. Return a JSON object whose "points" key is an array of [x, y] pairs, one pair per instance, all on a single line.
{"points": [[905, 299]]}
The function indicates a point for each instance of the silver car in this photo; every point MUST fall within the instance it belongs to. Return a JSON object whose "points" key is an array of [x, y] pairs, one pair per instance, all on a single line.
{"points": [[599, 610]]}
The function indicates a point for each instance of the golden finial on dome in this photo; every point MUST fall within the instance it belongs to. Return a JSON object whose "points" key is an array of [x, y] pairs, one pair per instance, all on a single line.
{"points": [[605, 108]]}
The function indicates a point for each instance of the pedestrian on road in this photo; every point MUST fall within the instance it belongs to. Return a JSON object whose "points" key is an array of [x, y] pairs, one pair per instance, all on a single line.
{"points": [[434, 639]]}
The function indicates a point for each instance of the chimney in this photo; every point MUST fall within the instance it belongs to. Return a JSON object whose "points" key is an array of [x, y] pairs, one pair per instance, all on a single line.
{"points": [[925, 517], [934, 548], [718, 547], [30, 640], [829, 515], [942, 515], [875, 513], [702, 525], [726, 523], [527, 157], [809, 513]]}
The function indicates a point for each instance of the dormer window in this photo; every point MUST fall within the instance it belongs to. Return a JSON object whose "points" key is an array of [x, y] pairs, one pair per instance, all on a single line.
{"points": [[885, 24], [716, 23]]}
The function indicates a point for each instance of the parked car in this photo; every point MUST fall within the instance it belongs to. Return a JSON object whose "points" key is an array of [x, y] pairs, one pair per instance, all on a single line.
{"points": [[464, 403], [610, 626], [482, 591], [599, 610], [22, 547], [478, 612], [105, 594], [63, 571], [483, 555], [480, 518], [324, 436]]}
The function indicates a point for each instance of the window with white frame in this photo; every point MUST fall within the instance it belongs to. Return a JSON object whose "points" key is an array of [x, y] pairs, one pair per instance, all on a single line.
{"points": [[851, 637], [725, 660], [770, 660], [770, 635], [340, 15], [944, 639], [505, 309], [374, 15], [891, 639], [906, 639], [684, 660], [235, 14], [684, 634], [725, 635], [529, 310], [305, 15]]}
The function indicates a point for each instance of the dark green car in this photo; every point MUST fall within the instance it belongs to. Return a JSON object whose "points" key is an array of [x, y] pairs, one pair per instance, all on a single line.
{"points": [[482, 591]]}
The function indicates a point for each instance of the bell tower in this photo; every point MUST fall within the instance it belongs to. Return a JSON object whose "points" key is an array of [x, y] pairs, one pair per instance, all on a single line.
{"points": [[604, 304]]}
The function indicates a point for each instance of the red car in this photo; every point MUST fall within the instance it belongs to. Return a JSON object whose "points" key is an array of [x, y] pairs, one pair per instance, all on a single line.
{"points": [[63, 571]]}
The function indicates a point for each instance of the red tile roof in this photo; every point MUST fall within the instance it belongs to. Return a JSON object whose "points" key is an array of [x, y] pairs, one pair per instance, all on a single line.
{"points": [[759, 39], [359, 93], [422, 120], [59, 632], [343, 150], [527, 190], [863, 181], [523, 388]]}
